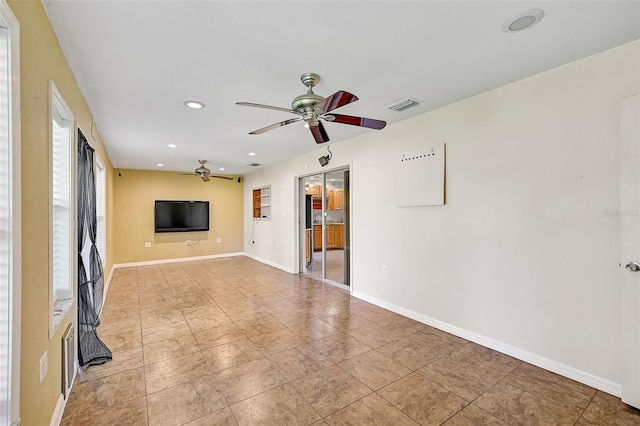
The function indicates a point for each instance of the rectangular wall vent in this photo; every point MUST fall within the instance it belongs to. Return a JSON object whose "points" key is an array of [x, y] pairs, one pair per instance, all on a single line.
{"points": [[403, 104], [253, 164]]}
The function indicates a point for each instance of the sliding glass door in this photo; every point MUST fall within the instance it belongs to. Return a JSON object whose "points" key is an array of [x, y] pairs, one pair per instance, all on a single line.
{"points": [[324, 214]]}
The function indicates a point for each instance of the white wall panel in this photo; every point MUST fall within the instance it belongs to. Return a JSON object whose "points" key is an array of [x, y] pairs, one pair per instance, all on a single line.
{"points": [[525, 251]]}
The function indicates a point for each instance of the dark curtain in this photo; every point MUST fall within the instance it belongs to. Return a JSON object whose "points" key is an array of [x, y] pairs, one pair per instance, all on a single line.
{"points": [[91, 350]]}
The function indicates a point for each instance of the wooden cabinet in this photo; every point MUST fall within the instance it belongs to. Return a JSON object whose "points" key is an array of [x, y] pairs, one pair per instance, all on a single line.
{"points": [[338, 199], [256, 203], [317, 237], [315, 190], [334, 236], [307, 246], [329, 192], [339, 238], [335, 198], [331, 236]]}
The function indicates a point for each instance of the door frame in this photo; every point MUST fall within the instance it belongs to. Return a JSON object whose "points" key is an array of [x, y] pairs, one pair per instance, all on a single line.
{"points": [[630, 248], [300, 228]]}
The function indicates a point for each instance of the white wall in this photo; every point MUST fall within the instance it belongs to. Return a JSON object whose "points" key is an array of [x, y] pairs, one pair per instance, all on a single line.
{"points": [[524, 256]]}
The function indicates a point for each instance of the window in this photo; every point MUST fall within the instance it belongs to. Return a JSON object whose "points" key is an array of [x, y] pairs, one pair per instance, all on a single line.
{"points": [[62, 207], [10, 269], [101, 186], [262, 202]]}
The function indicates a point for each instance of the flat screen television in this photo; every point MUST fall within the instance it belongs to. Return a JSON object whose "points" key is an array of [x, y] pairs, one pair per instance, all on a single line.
{"points": [[181, 216]]}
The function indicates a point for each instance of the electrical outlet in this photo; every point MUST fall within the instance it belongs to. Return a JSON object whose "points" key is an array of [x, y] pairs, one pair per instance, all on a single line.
{"points": [[385, 270], [43, 366], [147, 244], [188, 242], [218, 240]]}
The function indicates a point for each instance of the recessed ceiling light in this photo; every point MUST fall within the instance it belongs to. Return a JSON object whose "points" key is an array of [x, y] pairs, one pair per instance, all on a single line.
{"points": [[252, 153], [522, 20], [194, 104], [221, 169], [172, 145], [160, 165]]}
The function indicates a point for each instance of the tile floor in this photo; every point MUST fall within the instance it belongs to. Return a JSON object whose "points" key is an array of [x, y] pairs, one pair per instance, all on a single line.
{"points": [[335, 266], [232, 341]]}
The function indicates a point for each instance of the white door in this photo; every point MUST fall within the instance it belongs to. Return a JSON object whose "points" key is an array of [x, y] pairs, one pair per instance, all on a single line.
{"points": [[630, 250]]}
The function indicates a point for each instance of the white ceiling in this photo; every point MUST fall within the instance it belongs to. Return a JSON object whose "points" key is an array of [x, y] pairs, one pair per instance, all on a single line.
{"points": [[136, 62]]}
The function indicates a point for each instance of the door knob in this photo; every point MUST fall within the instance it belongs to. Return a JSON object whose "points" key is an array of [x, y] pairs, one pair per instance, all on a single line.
{"points": [[633, 266]]}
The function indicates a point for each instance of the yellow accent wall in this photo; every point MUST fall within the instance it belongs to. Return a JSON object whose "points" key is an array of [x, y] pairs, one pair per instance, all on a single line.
{"points": [[135, 192], [42, 60]]}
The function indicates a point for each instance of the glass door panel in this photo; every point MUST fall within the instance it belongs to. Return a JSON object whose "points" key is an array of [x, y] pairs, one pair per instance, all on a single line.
{"points": [[334, 226], [311, 224], [324, 226]]}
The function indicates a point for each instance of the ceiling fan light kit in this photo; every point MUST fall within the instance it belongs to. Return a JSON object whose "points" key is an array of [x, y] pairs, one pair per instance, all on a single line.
{"points": [[312, 108]]}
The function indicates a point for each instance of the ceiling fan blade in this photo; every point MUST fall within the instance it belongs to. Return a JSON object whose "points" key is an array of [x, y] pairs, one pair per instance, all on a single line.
{"points": [[221, 177], [338, 99], [356, 121], [319, 134], [205, 178], [275, 126], [189, 174], [250, 104]]}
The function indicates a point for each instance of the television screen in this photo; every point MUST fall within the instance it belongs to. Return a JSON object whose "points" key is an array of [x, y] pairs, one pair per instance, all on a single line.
{"points": [[181, 216]]}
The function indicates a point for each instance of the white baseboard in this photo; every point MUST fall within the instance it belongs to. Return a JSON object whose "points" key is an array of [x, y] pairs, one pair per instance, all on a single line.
{"points": [[268, 262], [106, 289], [58, 412], [532, 358], [174, 260]]}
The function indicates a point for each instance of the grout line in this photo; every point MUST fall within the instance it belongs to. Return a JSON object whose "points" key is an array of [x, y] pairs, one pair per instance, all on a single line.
{"points": [[144, 365], [586, 406]]}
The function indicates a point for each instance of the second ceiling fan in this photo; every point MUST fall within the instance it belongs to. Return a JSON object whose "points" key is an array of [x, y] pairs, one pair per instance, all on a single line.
{"points": [[312, 108], [203, 173]]}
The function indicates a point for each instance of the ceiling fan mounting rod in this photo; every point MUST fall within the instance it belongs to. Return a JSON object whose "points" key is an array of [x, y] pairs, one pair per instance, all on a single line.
{"points": [[304, 103], [310, 79]]}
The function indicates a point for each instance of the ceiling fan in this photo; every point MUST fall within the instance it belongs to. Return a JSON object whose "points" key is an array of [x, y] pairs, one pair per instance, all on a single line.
{"points": [[311, 108], [205, 173]]}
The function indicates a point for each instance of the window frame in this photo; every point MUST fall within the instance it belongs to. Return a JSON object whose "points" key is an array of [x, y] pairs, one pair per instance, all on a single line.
{"points": [[11, 24], [101, 177], [59, 306]]}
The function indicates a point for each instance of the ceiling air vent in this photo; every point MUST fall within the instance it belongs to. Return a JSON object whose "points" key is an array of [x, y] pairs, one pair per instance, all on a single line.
{"points": [[253, 164], [403, 104]]}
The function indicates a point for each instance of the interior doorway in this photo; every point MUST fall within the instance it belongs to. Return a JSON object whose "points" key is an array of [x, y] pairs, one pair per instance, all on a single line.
{"points": [[325, 247], [630, 248]]}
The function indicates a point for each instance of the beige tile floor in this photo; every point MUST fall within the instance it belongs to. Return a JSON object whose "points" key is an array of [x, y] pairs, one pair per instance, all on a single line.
{"points": [[232, 341], [335, 266]]}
